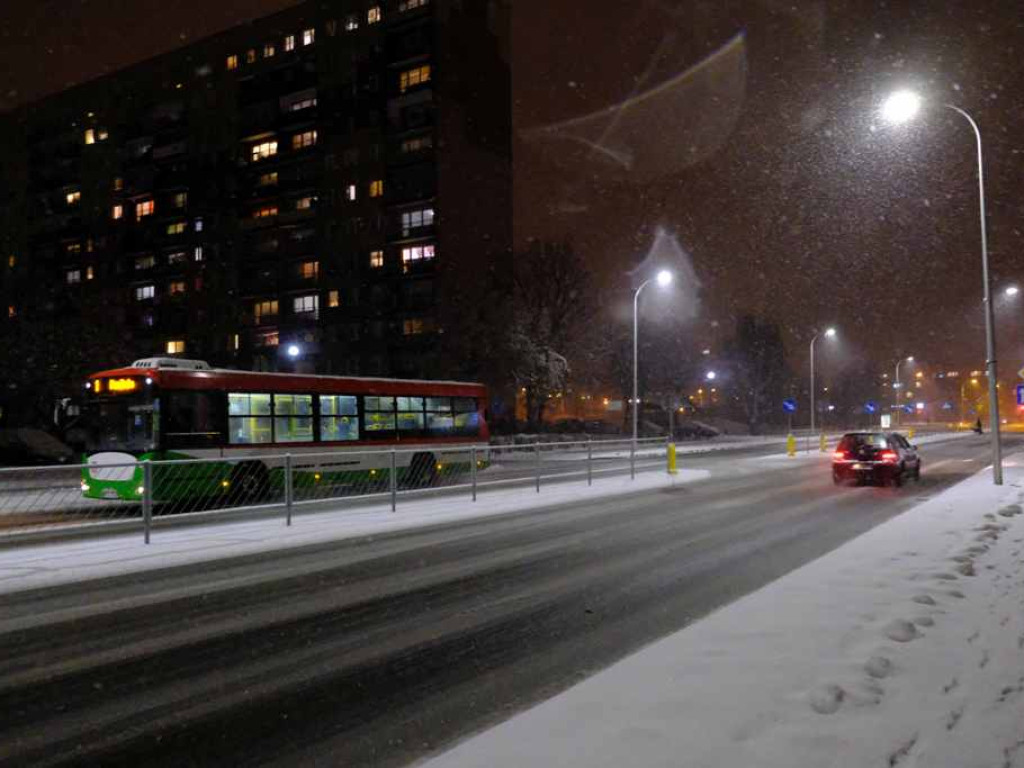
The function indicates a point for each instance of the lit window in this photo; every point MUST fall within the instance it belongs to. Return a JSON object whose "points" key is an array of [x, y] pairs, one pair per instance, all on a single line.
{"points": [[415, 76], [268, 179], [423, 217], [373, 15], [376, 188], [264, 150], [304, 139], [12, 311], [178, 257], [264, 309], [145, 262], [308, 305], [89, 273], [235, 342], [117, 212], [309, 270], [144, 208], [175, 346], [88, 245], [11, 261], [417, 144], [145, 292], [102, 135], [180, 199], [176, 287], [376, 259], [408, 5], [265, 212], [197, 225], [413, 326], [73, 248], [350, 192], [333, 299], [289, 43], [351, 23], [176, 228], [198, 253], [267, 338], [90, 136], [269, 51], [308, 36], [304, 203], [118, 184], [73, 276], [232, 62], [250, 56], [417, 253], [74, 197]]}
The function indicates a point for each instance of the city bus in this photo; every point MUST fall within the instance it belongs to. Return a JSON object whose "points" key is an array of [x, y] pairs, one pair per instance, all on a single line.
{"points": [[332, 426]]}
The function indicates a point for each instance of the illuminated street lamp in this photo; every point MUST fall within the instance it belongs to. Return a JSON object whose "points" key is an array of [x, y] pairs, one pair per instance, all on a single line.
{"points": [[1011, 291], [900, 107], [293, 351], [830, 333], [896, 385], [710, 375], [664, 279]]}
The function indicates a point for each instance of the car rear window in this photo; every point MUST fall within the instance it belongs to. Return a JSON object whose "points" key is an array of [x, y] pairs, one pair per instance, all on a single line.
{"points": [[850, 442]]}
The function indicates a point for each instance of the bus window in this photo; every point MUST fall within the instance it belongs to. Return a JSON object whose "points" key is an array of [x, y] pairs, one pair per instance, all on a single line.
{"points": [[339, 417], [467, 424], [249, 418], [378, 414], [410, 414], [191, 420], [293, 418]]}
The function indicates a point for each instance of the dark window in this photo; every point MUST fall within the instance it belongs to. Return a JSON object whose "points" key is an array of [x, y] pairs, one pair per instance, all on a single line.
{"points": [[192, 419]]}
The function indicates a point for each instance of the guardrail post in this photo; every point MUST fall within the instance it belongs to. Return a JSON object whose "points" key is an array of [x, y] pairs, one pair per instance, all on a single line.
{"points": [[472, 469], [147, 498], [632, 461], [289, 491], [590, 463], [394, 482], [536, 455]]}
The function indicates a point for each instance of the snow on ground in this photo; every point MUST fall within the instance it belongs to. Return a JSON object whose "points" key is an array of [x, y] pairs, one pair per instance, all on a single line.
{"points": [[43, 565], [904, 647]]}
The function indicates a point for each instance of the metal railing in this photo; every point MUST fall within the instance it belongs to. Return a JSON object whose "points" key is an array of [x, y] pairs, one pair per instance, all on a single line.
{"points": [[144, 494]]}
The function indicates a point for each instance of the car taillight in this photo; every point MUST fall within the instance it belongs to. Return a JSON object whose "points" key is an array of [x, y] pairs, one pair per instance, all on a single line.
{"points": [[888, 456], [839, 455]]}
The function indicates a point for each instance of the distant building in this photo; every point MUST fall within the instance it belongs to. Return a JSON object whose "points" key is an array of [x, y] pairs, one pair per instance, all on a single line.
{"points": [[332, 181]]}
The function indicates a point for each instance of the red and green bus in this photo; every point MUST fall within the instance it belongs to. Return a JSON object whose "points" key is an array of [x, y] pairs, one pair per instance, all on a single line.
{"points": [[242, 423]]}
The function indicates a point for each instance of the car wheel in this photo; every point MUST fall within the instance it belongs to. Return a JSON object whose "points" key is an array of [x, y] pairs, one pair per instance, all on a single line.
{"points": [[837, 479], [897, 478]]}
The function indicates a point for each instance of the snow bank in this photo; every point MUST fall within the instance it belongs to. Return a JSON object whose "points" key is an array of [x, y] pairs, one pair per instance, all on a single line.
{"points": [[34, 566], [904, 647]]}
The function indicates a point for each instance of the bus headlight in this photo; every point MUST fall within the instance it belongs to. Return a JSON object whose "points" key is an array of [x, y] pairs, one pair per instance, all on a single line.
{"points": [[85, 486], [140, 490]]}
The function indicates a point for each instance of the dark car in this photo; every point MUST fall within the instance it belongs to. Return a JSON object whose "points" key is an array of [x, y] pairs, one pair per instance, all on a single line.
{"points": [[876, 457]]}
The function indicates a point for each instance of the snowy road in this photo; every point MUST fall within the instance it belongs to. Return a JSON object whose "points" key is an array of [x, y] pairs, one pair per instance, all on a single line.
{"points": [[384, 650]]}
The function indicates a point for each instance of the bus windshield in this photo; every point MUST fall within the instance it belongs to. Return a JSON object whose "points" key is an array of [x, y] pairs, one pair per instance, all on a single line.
{"points": [[121, 425]]}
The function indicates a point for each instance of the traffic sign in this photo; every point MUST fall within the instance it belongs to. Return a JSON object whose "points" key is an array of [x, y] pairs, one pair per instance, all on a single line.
{"points": [[789, 405], [948, 406], [907, 409], [870, 406], [1020, 394]]}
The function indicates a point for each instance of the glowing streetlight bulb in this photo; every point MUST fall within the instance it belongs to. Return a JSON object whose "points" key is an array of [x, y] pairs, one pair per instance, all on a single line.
{"points": [[901, 107], [293, 350], [830, 333], [1013, 290], [711, 375], [664, 278]]}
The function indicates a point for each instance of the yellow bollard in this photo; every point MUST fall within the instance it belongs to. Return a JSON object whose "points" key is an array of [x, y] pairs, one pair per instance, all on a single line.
{"points": [[910, 434], [672, 459], [791, 446], [822, 444]]}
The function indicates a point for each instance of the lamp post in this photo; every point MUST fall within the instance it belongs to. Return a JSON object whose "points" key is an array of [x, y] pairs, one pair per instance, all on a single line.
{"points": [[898, 108], [829, 334], [896, 386], [664, 278]]}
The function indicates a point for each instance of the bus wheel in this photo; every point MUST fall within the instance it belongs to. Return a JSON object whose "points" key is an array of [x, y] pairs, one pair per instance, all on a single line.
{"points": [[422, 470], [249, 481]]}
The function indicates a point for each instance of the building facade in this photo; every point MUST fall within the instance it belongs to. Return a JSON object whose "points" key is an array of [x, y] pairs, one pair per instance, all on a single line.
{"points": [[327, 189]]}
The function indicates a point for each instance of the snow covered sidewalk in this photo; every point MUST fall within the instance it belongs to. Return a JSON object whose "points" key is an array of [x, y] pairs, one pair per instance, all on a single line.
{"points": [[904, 647]]}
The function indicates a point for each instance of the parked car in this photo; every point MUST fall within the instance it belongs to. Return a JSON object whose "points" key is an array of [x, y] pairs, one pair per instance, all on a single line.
{"points": [[26, 446], [875, 457]]}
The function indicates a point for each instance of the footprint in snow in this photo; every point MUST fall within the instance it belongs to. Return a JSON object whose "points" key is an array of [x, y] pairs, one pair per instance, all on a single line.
{"points": [[900, 630], [878, 667], [924, 599], [954, 717], [945, 576], [955, 593], [826, 699], [950, 685], [924, 621]]}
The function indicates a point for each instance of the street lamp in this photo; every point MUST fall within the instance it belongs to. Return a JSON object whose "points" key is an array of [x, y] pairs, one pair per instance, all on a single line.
{"points": [[664, 278], [830, 333], [899, 108], [710, 375], [896, 385], [1011, 291], [293, 351]]}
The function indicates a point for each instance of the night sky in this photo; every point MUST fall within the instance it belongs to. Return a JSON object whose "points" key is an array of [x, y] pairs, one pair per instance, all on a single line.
{"points": [[792, 198]]}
